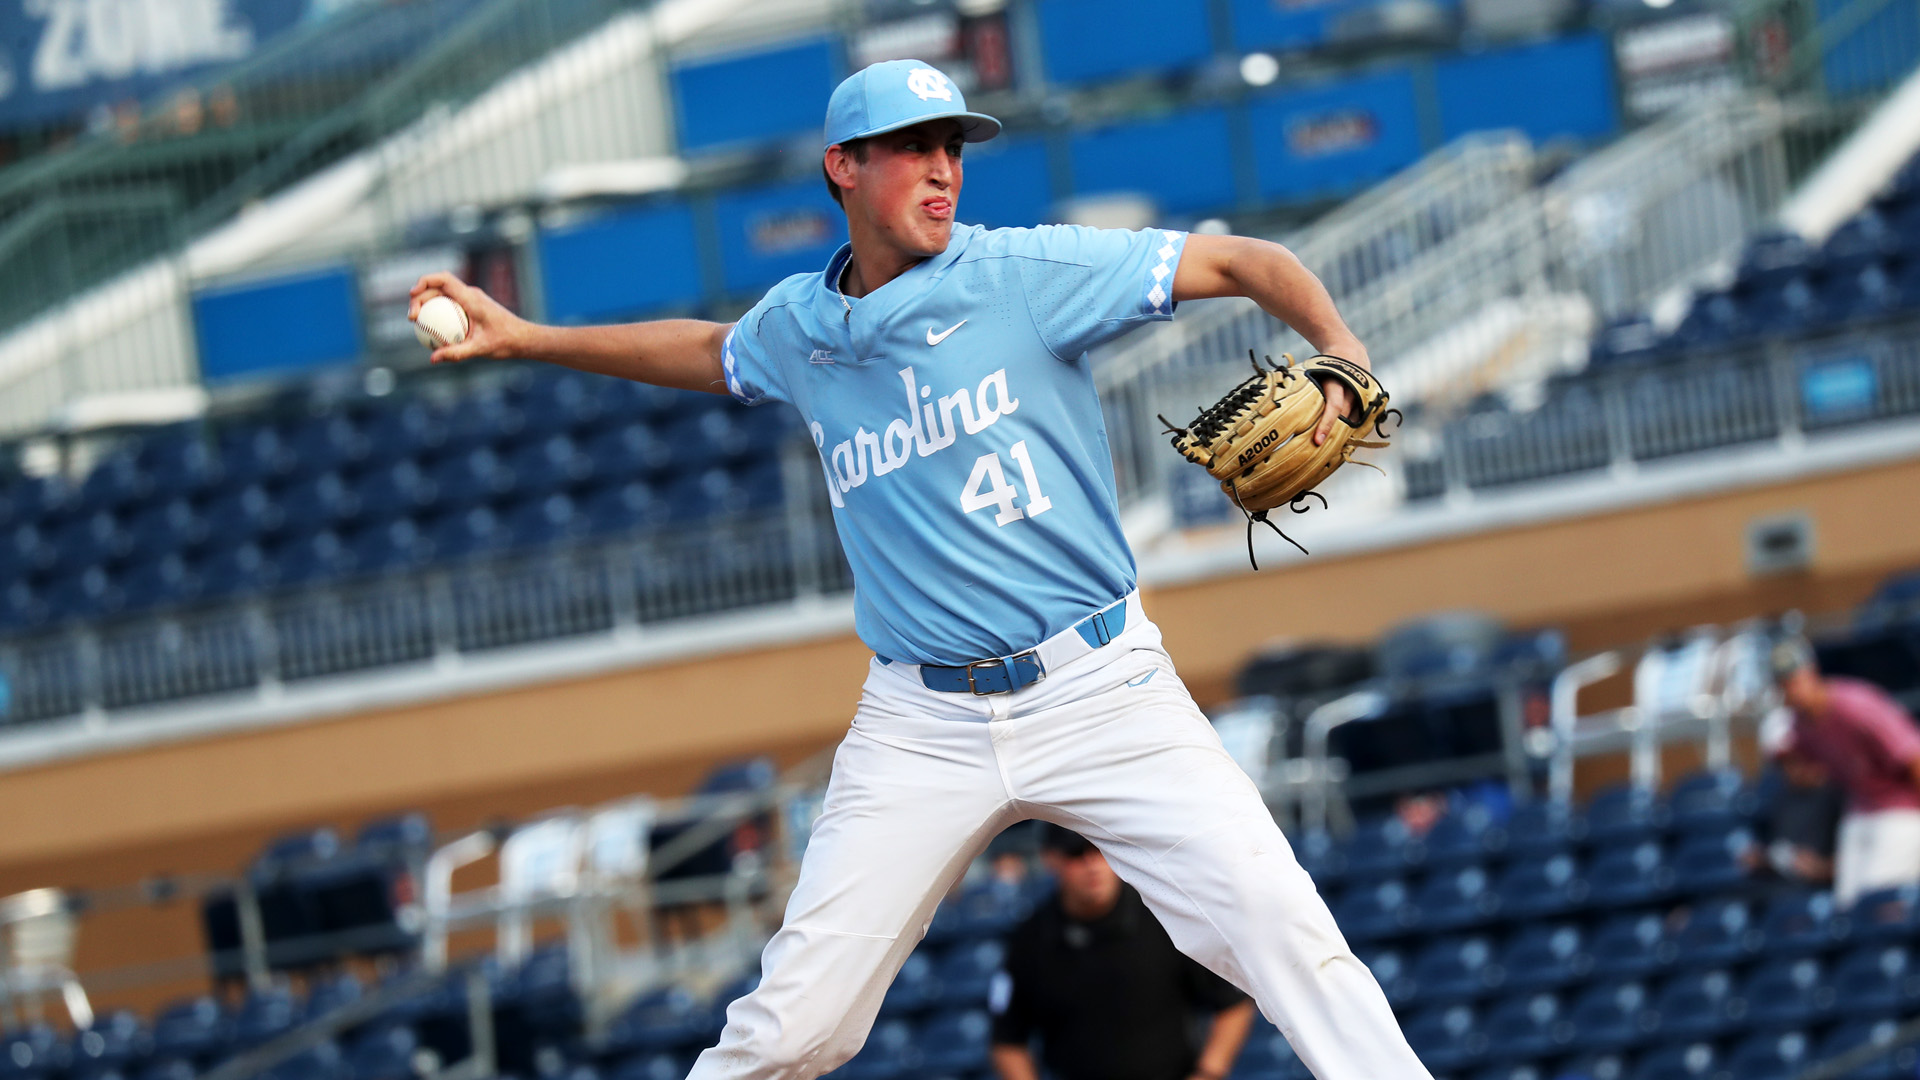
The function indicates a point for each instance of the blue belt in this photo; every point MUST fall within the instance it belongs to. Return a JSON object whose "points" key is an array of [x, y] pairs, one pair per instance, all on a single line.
{"points": [[1006, 674]]}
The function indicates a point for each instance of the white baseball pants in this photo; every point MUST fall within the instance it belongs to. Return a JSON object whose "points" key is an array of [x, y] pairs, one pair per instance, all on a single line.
{"points": [[1112, 746], [1875, 851]]}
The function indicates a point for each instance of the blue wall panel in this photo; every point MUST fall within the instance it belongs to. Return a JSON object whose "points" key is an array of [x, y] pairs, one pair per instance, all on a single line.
{"points": [[1328, 140], [1286, 24], [744, 97], [769, 233], [1007, 183], [1878, 52], [1557, 88], [278, 326], [1088, 40], [1184, 161], [620, 264]]}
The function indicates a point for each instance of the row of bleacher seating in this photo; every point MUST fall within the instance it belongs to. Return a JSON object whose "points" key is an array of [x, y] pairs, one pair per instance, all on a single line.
{"points": [[192, 513]]}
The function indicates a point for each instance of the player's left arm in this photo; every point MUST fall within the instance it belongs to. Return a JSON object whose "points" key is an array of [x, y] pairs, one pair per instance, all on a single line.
{"points": [[1271, 276]]}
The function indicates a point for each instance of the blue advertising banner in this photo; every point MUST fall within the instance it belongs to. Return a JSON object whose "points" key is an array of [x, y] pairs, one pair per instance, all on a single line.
{"points": [[1007, 183], [278, 326], [1328, 140], [772, 232], [621, 264], [1555, 89], [769, 94], [61, 58], [1087, 40], [1184, 162]]}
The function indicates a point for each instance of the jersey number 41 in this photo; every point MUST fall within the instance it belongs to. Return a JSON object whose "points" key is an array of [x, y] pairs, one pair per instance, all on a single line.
{"points": [[987, 488]]}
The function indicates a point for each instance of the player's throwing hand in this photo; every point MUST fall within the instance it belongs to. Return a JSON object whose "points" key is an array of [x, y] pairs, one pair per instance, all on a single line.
{"points": [[493, 331]]}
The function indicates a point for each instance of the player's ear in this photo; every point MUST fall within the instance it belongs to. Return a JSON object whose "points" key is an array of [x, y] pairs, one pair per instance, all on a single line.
{"points": [[840, 166]]}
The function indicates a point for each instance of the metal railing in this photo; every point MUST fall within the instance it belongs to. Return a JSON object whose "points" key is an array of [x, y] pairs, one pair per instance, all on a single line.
{"points": [[1619, 419]]}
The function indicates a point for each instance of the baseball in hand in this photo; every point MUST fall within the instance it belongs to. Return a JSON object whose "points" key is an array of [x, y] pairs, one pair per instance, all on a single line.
{"points": [[441, 322]]}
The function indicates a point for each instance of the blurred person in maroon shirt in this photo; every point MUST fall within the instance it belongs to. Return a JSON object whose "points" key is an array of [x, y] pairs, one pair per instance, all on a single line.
{"points": [[1870, 746]]}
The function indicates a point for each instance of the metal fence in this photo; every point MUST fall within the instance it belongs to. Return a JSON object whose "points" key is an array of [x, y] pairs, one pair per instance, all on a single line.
{"points": [[1607, 419], [619, 589]]}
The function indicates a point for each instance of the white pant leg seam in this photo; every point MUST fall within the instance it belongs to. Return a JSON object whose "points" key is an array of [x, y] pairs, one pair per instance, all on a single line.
{"points": [[842, 933]]}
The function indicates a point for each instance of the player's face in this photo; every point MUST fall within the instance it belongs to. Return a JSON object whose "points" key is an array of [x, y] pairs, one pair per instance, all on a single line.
{"points": [[910, 184]]}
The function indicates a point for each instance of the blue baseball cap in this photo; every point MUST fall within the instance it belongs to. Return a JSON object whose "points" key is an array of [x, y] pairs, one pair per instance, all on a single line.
{"points": [[900, 93]]}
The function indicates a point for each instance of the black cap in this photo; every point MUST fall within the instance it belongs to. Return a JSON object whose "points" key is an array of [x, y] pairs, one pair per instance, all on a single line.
{"points": [[1065, 841]]}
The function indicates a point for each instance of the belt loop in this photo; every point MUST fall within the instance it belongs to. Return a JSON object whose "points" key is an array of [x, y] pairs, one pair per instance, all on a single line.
{"points": [[1099, 620]]}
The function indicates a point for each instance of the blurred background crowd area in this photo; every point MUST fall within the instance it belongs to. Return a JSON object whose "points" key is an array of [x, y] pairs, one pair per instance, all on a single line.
{"points": [[361, 721]]}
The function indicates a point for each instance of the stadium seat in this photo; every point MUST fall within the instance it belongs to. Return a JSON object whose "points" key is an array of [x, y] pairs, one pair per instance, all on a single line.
{"points": [[1787, 993], [1446, 1038], [1887, 915], [1683, 1061], [1627, 342], [1266, 1055], [989, 909], [1629, 876], [166, 1069], [889, 1052], [1384, 847], [1719, 933], [1623, 814], [1773, 258], [966, 973], [30, 1052], [1631, 946], [1369, 911], [1458, 969], [1699, 1005], [1711, 861], [1394, 972], [1612, 1016], [1804, 923], [311, 559], [1527, 1026], [399, 489], [196, 1029], [915, 987], [255, 454], [157, 583], [388, 546], [1323, 858], [1545, 956], [1543, 828], [1715, 318], [630, 450], [468, 533], [1457, 899], [1711, 799], [1470, 834], [1540, 888], [1878, 980], [544, 520], [1895, 1064], [651, 1067], [180, 462], [114, 482], [333, 992], [1525, 1070], [242, 514], [323, 1061], [474, 477], [955, 1042], [116, 1041], [166, 526], [624, 509], [1771, 1055], [263, 1015]]}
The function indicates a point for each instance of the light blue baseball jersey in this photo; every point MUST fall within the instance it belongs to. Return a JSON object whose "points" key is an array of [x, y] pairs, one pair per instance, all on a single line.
{"points": [[956, 419]]}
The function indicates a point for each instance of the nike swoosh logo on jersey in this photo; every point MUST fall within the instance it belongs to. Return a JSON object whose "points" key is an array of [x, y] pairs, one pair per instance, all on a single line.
{"points": [[935, 339], [1144, 679]]}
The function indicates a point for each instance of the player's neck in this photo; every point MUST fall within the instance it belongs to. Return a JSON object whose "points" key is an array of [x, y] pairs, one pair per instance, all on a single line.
{"points": [[874, 263]]}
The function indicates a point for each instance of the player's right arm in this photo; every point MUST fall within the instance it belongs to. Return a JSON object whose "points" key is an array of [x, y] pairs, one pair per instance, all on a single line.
{"points": [[681, 353]]}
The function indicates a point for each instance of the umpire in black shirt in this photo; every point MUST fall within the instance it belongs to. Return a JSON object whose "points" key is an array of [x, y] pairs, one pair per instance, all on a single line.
{"points": [[1094, 976]]}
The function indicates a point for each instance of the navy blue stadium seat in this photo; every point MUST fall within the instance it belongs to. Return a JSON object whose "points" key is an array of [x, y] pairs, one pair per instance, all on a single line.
{"points": [[988, 909], [1528, 1026], [1711, 799], [1868, 292], [1369, 911], [632, 449], [1545, 956], [1897, 1064], [1878, 980], [544, 520], [157, 583], [477, 475], [195, 1029], [166, 526], [31, 1051], [1629, 876], [915, 987], [966, 972], [1776, 257], [1612, 1016], [1787, 993], [1541, 828], [263, 1015], [116, 1040], [890, 1052], [488, 418], [652, 1067], [323, 1061], [179, 461], [166, 1068], [1470, 834], [326, 500], [1699, 1005], [333, 992], [472, 532], [88, 540], [1715, 318], [1804, 923], [1446, 1038], [1788, 309], [1631, 946], [384, 1053], [1771, 1055], [407, 430], [622, 509], [1624, 813], [1711, 861], [1893, 600], [1891, 914], [328, 442], [554, 463], [255, 453], [1266, 1055], [955, 1042], [1719, 933], [1394, 972], [1524, 1070], [1383, 847], [1457, 899], [312, 559], [1628, 341], [1541, 887], [115, 481], [1864, 239], [1457, 969], [241, 514], [388, 546], [1323, 858], [1679, 1061], [86, 594]]}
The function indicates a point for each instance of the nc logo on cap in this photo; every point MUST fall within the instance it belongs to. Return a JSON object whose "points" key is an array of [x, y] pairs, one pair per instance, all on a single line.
{"points": [[928, 84]]}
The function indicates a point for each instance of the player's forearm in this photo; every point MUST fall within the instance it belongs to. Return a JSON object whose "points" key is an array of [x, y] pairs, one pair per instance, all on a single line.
{"points": [[681, 353], [1224, 1039], [1014, 1063], [1273, 277]]}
